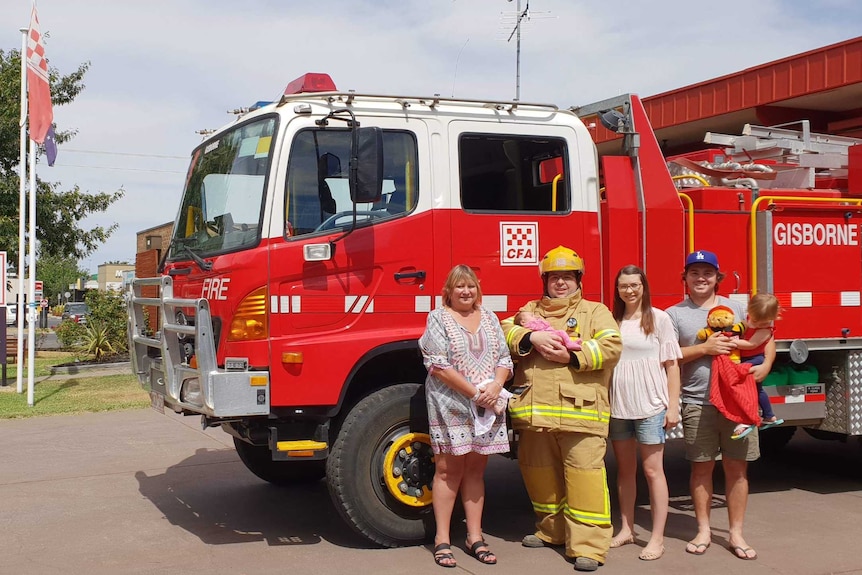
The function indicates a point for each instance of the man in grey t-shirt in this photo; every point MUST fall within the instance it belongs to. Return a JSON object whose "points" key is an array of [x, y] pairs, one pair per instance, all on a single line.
{"points": [[707, 432]]}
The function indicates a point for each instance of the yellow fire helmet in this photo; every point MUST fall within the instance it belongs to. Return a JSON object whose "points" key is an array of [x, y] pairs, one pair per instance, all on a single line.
{"points": [[561, 259]]}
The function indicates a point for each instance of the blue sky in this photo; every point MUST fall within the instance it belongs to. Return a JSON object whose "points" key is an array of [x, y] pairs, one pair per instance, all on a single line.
{"points": [[162, 69]]}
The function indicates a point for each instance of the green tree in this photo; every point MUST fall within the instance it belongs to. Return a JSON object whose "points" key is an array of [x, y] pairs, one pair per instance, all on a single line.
{"points": [[57, 273], [58, 213]]}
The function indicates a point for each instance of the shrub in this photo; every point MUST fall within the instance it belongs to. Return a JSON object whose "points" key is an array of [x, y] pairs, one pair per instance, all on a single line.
{"points": [[97, 340], [69, 333], [108, 310]]}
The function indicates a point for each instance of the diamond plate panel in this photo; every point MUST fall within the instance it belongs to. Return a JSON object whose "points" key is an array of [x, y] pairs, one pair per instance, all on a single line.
{"points": [[836, 401], [854, 393]]}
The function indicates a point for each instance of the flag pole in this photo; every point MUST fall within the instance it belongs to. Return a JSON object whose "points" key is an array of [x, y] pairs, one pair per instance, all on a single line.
{"points": [[31, 297], [22, 205]]}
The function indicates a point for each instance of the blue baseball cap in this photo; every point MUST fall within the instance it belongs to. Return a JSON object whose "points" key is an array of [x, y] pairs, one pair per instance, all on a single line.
{"points": [[701, 257]]}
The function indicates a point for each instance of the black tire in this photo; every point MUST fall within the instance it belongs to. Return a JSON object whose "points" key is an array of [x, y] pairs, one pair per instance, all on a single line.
{"points": [[356, 474], [258, 460], [773, 441]]}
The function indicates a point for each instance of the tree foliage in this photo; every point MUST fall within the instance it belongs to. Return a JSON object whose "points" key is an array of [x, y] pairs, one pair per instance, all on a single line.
{"points": [[57, 273], [58, 213]]}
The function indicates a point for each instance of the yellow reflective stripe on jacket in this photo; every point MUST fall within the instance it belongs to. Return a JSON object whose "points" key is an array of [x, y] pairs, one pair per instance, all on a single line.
{"points": [[591, 347], [602, 334], [548, 507], [562, 411]]}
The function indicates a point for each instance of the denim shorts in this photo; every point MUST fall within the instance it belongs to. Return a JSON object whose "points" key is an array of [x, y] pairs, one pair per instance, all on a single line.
{"points": [[648, 431]]}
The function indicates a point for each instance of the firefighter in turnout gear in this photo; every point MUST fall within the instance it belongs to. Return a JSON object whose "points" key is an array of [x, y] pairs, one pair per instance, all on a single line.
{"points": [[562, 410]]}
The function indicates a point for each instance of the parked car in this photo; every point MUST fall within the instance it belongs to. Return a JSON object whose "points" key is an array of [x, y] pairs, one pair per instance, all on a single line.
{"points": [[11, 314], [76, 311]]}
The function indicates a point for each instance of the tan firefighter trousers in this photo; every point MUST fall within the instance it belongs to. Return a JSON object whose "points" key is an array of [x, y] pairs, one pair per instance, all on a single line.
{"points": [[564, 472]]}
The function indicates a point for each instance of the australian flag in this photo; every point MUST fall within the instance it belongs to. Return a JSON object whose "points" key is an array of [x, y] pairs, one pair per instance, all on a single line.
{"points": [[50, 146]]}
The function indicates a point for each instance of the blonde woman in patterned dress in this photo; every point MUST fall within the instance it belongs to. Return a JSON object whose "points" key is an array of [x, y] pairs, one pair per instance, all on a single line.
{"points": [[463, 345]]}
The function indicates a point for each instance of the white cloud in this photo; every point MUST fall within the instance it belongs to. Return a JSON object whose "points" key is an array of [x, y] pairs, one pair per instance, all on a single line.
{"points": [[160, 70]]}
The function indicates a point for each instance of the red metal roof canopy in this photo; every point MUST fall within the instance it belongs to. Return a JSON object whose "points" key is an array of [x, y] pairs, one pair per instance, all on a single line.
{"points": [[822, 85]]}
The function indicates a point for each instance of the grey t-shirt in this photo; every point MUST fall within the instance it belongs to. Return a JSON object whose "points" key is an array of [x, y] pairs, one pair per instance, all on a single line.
{"points": [[687, 320]]}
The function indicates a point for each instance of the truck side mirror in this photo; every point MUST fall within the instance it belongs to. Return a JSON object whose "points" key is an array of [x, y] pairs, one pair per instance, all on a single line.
{"points": [[366, 177]]}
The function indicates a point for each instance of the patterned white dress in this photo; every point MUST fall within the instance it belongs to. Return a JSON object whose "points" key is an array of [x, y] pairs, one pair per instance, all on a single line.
{"points": [[447, 344]]}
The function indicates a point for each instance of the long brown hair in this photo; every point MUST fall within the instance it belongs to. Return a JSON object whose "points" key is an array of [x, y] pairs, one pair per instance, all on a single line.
{"points": [[647, 318], [459, 273]]}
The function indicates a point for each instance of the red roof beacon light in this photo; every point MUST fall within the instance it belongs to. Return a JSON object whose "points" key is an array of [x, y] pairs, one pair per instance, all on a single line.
{"points": [[311, 82]]}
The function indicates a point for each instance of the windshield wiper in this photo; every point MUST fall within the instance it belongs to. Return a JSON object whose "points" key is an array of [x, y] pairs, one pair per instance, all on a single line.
{"points": [[182, 242]]}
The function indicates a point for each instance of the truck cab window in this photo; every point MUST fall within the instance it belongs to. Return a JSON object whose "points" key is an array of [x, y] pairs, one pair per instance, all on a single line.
{"points": [[317, 197], [507, 173], [223, 197]]}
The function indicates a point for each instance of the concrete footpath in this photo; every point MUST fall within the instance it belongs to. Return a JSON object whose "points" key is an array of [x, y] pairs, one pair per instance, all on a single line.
{"points": [[143, 493]]}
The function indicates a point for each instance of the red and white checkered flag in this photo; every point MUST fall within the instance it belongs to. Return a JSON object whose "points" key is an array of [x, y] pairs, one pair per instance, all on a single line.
{"points": [[38, 89]]}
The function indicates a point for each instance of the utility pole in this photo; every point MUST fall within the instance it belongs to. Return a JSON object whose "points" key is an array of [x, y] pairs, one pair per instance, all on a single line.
{"points": [[516, 31]]}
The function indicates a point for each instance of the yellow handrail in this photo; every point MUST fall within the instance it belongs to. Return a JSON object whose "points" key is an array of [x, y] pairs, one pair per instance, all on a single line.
{"points": [[554, 192], [700, 179], [690, 210], [753, 224]]}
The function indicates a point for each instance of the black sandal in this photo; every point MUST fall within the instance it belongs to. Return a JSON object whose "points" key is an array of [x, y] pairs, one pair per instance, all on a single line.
{"points": [[485, 556], [440, 555]]}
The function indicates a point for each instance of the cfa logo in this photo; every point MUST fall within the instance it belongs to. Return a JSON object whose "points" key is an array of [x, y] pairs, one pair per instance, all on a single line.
{"points": [[519, 243]]}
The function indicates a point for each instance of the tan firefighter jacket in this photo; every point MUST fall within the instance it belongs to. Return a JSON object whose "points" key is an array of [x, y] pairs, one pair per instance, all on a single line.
{"points": [[559, 397]]}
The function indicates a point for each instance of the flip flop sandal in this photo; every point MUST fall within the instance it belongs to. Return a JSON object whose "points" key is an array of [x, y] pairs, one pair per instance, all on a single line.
{"points": [[743, 433], [441, 554], [742, 552], [485, 556], [769, 424], [697, 548]]}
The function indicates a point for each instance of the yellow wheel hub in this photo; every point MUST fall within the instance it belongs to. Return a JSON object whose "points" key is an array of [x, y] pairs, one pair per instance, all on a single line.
{"points": [[408, 469]]}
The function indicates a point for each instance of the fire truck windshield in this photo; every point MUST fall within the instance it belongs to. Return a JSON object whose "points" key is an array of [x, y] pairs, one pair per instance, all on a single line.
{"points": [[223, 198]]}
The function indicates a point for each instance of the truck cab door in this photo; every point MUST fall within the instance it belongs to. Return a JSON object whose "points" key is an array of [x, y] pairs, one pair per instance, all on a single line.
{"points": [[335, 310]]}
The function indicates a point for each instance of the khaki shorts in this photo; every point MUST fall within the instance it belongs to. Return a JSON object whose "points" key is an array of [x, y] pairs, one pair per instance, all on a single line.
{"points": [[707, 434]]}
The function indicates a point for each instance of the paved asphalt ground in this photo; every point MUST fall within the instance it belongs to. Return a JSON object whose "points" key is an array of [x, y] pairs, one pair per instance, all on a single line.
{"points": [[144, 493]]}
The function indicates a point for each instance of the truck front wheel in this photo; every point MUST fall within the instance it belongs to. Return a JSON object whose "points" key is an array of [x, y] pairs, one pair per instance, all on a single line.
{"points": [[258, 460], [381, 467]]}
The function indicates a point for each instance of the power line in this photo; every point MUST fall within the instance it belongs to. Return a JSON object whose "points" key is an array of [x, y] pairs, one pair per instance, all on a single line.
{"points": [[60, 165], [64, 150]]}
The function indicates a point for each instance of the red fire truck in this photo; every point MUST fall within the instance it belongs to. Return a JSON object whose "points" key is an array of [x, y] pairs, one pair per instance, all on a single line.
{"points": [[315, 232]]}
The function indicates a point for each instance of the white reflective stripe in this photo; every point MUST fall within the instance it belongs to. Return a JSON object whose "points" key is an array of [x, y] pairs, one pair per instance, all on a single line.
{"points": [[370, 308], [438, 302], [285, 304], [354, 304], [273, 304], [422, 304], [295, 303], [800, 299], [360, 304], [850, 298], [349, 300], [496, 302], [740, 297]]}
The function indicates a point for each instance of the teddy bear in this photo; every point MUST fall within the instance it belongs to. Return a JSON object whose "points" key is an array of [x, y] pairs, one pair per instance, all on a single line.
{"points": [[720, 320]]}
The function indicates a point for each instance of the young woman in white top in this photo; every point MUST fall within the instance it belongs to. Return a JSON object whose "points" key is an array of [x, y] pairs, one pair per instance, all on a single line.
{"points": [[644, 404]]}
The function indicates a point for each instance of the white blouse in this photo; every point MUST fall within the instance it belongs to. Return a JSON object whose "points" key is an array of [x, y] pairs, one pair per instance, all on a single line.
{"points": [[639, 388]]}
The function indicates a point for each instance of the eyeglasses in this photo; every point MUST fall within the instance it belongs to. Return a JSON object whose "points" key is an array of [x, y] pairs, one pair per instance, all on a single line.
{"points": [[629, 287], [570, 277]]}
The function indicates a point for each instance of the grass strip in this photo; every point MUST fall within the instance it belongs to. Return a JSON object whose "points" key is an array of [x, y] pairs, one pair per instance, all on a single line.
{"points": [[78, 394]]}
